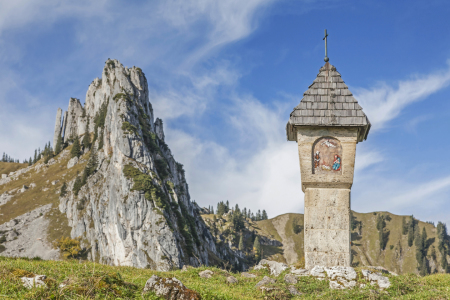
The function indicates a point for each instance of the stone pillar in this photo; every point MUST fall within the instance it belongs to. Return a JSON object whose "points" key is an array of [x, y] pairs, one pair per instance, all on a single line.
{"points": [[327, 193], [57, 126]]}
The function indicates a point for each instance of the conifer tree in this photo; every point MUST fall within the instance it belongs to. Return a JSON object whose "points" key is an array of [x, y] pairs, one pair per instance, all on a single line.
{"points": [[63, 190], [264, 215], [30, 161], [77, 186], [58, 146], [76, 148], [241, 242], [404, 226], [86, 137], [411, 232], [423, 267], [100, 142], [257, 248]]}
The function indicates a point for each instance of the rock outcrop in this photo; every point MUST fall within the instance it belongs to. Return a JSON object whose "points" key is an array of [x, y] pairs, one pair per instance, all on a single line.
{"points": [[135, 210], [57, 126]]}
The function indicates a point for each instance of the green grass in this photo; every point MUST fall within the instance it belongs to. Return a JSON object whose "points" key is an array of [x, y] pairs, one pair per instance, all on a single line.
{"points": [[88, 280]]}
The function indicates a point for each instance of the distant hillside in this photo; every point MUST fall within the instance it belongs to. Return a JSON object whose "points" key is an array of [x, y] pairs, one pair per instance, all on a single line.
{"points": [[397, 255]]}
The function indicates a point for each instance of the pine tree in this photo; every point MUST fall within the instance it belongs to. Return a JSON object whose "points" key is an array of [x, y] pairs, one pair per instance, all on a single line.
{"points": [[30, 161], [58, 146], [35, 156], [257, 248], [220, 208], [77, 186], [63, 190], [424, 267], [87, 137], [212, 209], [411, 232], [424, 238], [404, 226], [264, 215], [241, 242], [227, 207], [76, 148]]}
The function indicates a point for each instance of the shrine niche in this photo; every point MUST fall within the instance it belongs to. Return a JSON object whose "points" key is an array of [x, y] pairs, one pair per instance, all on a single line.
{"points": [[327, 156]]}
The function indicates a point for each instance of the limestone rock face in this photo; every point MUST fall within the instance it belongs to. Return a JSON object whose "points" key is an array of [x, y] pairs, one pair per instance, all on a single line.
{"points": [[143, 226], [57, 126], [75, 123]]}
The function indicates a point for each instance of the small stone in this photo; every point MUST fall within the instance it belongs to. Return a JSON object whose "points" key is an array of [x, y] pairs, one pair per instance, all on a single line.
{"points": [[231, 279], [185, 268], [334, 285], [317, 271], [300, 272], [265, 280], [37, 281], [289, 278], [294, 291], [206, 274], [4, 176], [32, 185], [54, 182], [348, 273], [248, 275], [275, 267]]}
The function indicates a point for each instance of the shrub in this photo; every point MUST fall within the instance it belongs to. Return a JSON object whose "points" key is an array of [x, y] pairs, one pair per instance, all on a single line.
{"points": [[63, 190], [69, 248], [128, 128]]}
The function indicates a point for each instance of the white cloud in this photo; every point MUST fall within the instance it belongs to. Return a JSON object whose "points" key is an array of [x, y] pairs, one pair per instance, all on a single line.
{"points": [[383, 102], [263, 175]]}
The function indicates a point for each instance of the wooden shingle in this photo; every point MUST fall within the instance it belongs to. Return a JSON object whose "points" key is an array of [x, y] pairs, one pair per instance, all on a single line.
{"points": [[328, 102]]}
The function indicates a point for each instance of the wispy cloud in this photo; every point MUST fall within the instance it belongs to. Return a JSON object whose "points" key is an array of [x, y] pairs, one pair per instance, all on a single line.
{"points": [[384, 102]]}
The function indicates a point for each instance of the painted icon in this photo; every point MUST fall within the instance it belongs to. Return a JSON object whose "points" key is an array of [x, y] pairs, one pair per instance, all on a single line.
{"points": [[326, 156]]}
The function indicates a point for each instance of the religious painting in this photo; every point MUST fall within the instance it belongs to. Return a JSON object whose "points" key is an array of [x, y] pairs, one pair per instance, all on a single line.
{"points": [[327, 156]]}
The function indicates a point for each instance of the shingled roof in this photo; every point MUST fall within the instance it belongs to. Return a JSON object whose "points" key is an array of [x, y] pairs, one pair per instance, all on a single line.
{"points": [[328, 102]]}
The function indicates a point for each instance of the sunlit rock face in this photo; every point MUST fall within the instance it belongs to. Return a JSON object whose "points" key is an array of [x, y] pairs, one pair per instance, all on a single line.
{"points": [[154, 225]]}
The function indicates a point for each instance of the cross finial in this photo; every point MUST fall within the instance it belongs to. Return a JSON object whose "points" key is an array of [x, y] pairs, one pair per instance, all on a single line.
{"points": [[326, 59]]}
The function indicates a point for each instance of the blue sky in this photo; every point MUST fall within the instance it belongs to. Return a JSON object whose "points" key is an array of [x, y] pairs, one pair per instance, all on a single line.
{"points": [[224, 76]]}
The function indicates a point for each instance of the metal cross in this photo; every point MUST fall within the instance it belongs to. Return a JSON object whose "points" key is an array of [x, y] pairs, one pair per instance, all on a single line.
{"points": [[326, 52]]}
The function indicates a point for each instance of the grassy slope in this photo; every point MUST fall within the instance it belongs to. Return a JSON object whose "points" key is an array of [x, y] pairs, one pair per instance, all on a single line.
{"points": [[6, 168], [35, 197], [95, 281], [366, 251]]}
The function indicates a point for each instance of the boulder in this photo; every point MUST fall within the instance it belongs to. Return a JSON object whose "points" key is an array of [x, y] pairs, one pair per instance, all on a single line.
{"points": [[4, 176], [72, 162], [318, 272], [378, 278], [265, 280], [347, 273], [274, 267], [248, 275], [170, 289], [291, 279], [232, 279], [36, 281], [294, 291], [299, 272], [206, 274]]}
